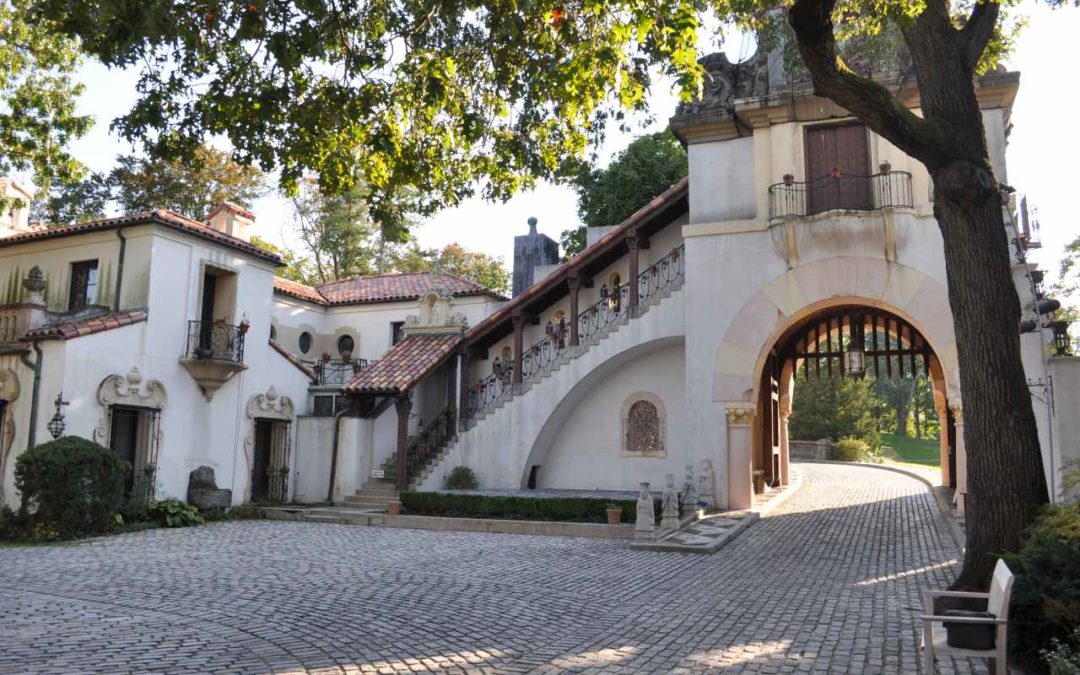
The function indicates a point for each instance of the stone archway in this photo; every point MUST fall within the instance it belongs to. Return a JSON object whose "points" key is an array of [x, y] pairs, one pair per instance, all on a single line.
{"points": [[791, 299]]}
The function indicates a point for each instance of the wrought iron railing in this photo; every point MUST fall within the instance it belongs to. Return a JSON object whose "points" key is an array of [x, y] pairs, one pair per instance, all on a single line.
{"points": [[840, 191], [487, 391], [545, 352], [278, 484], [337, 371], [429, 441], [612, 306], [216, 340], [663, 274]]}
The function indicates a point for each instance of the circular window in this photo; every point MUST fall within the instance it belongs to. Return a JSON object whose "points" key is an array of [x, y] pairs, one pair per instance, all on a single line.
{"points": [[345, 346], [305, 342], [273, 332]]}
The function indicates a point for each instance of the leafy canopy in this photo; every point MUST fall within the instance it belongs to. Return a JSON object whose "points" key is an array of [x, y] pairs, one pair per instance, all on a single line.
{"points": [[37, 97], [608, 196]]}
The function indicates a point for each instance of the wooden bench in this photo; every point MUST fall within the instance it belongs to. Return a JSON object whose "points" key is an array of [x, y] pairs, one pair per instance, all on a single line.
{"points": [[997, 603]]}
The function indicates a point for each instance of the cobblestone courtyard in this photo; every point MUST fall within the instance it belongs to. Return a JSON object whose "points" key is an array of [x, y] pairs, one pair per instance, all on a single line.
{"points": [[830, 582]]}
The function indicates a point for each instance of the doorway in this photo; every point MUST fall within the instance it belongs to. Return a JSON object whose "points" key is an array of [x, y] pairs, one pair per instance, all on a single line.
{"points": [[837, 168], [270, 461], [133, 436]]}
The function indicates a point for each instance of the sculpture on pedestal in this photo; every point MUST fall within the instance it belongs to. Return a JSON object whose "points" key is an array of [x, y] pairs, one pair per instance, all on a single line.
{"points": [[645, 525], [706, 489], [670, 516], [689, 494]]}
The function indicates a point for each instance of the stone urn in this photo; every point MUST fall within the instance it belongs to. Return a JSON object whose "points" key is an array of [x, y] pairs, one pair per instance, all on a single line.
{"points": [[614, 514], [203, 492]]}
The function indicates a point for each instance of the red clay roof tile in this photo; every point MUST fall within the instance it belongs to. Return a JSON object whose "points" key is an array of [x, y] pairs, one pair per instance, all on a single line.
{"points": [[380, 288], [88, 326], [407, 362]]}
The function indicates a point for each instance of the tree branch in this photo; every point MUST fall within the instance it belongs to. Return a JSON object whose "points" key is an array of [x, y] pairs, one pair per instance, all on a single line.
{"points": [[979, 29], [812, 22]]}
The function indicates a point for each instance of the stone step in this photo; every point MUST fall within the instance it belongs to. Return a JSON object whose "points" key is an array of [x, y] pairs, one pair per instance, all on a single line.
{"points": [[366, 502]]}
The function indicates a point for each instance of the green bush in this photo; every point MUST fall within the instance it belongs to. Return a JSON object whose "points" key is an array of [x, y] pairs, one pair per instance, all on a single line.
{"points": [[175, 513], [850, 450], [71, 487], [1046, 594], [462, 478], [136, 507], [1064, 657], [561, 509]]}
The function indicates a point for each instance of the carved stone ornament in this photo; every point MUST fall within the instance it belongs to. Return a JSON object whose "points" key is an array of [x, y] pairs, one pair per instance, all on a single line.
{"points": [[740, 417], [435, 313], [645, 524], [670, 513], [689, 494], [644, 426], [9, 391], [706, 490], [726, 81], [127, 390]]}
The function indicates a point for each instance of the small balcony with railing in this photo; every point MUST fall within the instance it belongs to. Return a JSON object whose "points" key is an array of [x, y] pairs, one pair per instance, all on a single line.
{"points": [[214, 352], [840, 191]]}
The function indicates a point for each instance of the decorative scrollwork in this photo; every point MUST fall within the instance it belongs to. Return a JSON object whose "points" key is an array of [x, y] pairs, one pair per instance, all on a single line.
{"points": [[127, 390], [644, 421]]}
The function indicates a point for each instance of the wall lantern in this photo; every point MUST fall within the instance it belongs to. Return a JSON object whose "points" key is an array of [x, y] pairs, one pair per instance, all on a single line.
{"points": [[57, 425], [855, 356], [1061, 338]]}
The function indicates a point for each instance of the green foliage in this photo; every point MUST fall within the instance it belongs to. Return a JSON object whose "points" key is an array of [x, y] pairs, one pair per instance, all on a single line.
{"points": [[1046, 594], [67, 203], [37, 97], [647, 167], [852, 450], [175, 513], [914, 450], [834, 408], [71, 486], [462, 478], [560, 509], [1064, 657], [136, 507]]}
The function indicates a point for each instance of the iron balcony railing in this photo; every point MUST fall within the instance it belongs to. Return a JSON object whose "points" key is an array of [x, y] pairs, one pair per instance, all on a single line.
{"points": [[428, 442], [840, 191], [613, 305], [216, 340], [337, 372]]}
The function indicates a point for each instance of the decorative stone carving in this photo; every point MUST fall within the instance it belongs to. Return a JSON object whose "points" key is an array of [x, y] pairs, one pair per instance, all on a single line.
{"points": [[740, 417], [435, 313], [268, 405], [706, 486], [644, 427], [645, 525], [127, 390], [34, 283], [203, 491], [9, 391], [670, 513], [726, 81], [689, 494]]}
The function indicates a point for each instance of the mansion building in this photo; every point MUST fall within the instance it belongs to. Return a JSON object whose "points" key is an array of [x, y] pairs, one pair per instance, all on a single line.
{"points": [[801, 244]]}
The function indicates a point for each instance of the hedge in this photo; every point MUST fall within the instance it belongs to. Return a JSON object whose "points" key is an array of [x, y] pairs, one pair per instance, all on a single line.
{"points": [[563, 509]]}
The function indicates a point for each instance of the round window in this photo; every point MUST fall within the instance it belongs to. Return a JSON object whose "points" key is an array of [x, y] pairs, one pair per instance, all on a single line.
{"points": [[305, 342], [345, 346]]}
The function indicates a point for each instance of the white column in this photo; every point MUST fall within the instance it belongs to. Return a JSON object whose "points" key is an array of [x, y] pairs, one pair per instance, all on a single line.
{"points": [[740, 421], [961, 459]]}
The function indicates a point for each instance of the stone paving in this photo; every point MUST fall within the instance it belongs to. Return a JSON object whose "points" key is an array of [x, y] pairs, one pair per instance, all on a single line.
{"points": [[829, 582]]}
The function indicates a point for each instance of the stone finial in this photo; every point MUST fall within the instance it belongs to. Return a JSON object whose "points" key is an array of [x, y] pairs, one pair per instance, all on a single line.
{"points": [[34, 283], [645, 525], [532, 224], [670, 514], [134, 377]]}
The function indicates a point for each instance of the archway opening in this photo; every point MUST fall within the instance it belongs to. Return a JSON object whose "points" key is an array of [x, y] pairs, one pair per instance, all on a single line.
{"points": [[851, 371]]}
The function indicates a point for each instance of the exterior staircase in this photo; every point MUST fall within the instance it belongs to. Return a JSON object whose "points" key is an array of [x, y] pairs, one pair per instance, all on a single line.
{"points": [[374, 495]]}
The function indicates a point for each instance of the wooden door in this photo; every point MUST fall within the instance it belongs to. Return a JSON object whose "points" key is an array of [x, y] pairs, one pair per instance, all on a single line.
{"points": [[124, 441], [837, 168], [769, 455]]}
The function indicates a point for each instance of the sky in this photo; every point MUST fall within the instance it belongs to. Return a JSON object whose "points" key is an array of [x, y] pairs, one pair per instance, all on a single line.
{"points": [[1042, 147]]}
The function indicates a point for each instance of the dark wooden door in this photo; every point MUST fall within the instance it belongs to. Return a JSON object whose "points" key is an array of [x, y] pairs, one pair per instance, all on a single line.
{"points": [[206, 315], [837, 168], [124, 440], [769, 462], [260, 462]]}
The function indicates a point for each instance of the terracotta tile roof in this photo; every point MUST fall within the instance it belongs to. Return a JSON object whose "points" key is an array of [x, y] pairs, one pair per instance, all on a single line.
{"points": [[88, 326], [293, 360], [161, 217], [407, 362], [559, 275], [380, 288]]}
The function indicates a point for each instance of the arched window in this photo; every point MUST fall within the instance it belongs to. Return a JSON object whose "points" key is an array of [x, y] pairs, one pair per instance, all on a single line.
{"points": [[643, 426], [305, 342], [345, 346]]}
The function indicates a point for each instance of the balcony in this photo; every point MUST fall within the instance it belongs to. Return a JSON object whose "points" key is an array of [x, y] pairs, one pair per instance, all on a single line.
{"points": [[214, 353], [838, 191], [337, 372]]}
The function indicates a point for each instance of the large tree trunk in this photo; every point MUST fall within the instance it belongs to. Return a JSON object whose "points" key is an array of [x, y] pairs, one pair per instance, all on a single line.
{"points": [[1006, 484]]}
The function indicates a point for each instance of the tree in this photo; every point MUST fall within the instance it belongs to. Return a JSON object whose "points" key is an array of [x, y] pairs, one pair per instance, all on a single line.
{"points": [[647, 167], [444, 95], [836, 407], [189, 187], [297, 268], [66, 203], [336, 230], [37, 97], [475, 266]]}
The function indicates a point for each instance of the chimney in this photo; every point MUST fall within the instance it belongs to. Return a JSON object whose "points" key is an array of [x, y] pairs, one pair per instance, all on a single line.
{"points": [[15, 219], [232, 219], [532, 250]]}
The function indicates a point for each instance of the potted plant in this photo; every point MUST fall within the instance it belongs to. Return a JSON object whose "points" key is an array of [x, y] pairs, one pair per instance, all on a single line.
{"points": [[789, 179], [886, 168], [759, 482], [326, 357], [393, 508], [614, 513]]}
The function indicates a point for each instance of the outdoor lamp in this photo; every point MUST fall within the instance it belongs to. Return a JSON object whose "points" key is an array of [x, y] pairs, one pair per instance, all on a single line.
{"points": [[56, 425], [855, 358], [1061, 337]]}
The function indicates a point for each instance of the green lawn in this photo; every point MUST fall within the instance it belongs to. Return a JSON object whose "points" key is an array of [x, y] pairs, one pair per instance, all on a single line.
{"points": [[917, 451]]}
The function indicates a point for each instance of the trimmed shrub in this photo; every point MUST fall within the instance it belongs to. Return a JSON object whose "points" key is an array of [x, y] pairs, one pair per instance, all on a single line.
{"points": [[462, 478], [850, 450], [175, 513], [559, 509], [71, 487], [1064, 657]]}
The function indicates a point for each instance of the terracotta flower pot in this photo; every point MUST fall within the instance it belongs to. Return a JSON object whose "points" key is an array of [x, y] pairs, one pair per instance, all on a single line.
{"points": [[614, 516], [393, 508]]}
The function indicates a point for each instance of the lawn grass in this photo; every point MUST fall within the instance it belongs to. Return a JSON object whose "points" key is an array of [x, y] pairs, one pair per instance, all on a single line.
{"points": [[916, 451]]}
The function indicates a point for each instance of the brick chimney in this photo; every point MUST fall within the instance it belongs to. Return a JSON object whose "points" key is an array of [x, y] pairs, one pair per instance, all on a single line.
{"points": [[232, 219]]}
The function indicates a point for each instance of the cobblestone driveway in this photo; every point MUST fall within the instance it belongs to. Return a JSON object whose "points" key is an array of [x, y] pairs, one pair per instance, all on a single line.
{"points": [[828, 583]]}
